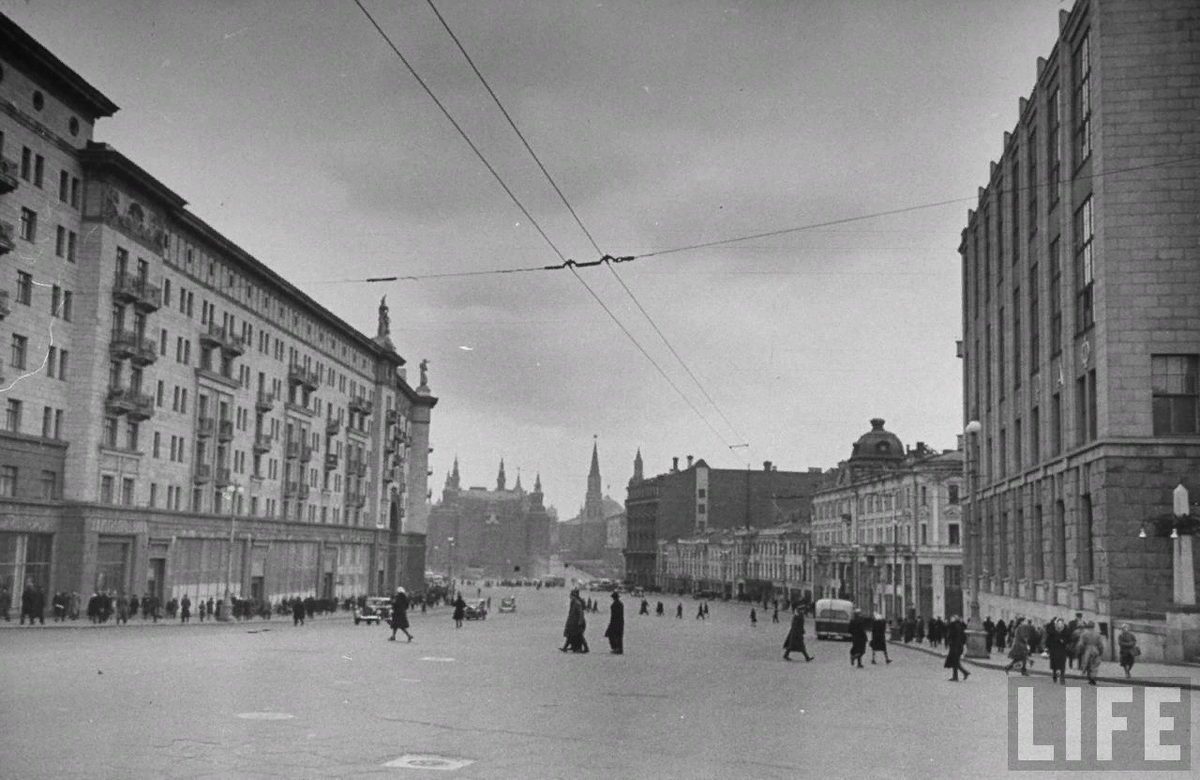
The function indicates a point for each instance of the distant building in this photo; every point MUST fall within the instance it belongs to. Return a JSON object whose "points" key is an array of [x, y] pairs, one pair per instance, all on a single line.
{"points": [[504, 532], [690, 502], [1081, 340], [615, 540], [585, 536], [747, 564], [887, 534]]}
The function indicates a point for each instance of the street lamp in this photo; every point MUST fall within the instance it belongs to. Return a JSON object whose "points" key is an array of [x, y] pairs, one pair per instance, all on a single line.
{"points": [[233, 490], [976, 639], [450, 562], [896, 610]]}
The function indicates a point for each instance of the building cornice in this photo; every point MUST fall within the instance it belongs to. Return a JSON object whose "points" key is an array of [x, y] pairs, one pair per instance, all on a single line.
{"points": [[37, 61]]}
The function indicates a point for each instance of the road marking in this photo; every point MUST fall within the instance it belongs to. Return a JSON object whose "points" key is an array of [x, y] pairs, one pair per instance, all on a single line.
{"points": [[439, 660], [417, 761], [265, 716]]}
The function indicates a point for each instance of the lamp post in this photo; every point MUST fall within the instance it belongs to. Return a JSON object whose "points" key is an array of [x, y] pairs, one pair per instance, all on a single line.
{"points": [[450, 563], [976, 639], [896, 610], [233, 490]]}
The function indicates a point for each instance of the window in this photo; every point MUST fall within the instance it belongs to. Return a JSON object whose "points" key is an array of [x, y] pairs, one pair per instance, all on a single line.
{"points": [[955, 538], [60, 241], [1175, 393], [49, 485], [1017, 444], [75, 187], [24, 288], [127, 491], [39, 170], [1001, 363], [1031, 179], [1035, 435], [1083, 100], [1056, 316], [1014, 215], [28, 224], [51, 362], [1037, 564], [1085, 315], [26, 163], [106, 489], [72, 242], [1085, 406], [109, 437], [153, 494], [58, 423], [1053, 142], [952, 491], [157, 443], [12, 416], [1035, 328], [8, 481], [47, 422], [20, 348], [64, 186], [1016, 336], [1056, 431], [1087, 553]]}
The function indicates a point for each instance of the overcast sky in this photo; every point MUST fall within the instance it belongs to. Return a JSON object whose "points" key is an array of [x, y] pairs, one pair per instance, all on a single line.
{"points": [[294, 129]]}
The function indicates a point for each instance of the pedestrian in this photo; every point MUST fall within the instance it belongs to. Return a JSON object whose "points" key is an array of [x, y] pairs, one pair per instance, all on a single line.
{"points": [[1074, 629], [1057, 639], [615, 633], [659, 609], [879, 638], [1019, 652], [5, 598], [858, 638], [1001, 634], [704, 607], [956, 641], [775, 613], [1091, 650], [212, 607], [298, 612], [753, 617], [645, 608], [573, 631], [400, 614], [202, 610], [919, 628], [1128, 648], [122, 611], [910, 629], [679, 611], [185, 609], [989, 633], [700, 611], [794, 643], [460, 610]]}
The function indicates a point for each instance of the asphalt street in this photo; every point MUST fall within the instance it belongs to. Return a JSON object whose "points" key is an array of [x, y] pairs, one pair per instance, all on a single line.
{"points": [[689, 699]]}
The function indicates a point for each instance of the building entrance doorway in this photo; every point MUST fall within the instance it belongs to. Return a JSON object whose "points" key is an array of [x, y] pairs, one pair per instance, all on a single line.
{"points": [[155, 576]]}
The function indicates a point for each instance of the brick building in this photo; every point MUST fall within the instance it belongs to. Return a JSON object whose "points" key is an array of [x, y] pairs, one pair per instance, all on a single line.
{"points": [[1080, 330], [690, 502], [178, 418], [749, 564]]}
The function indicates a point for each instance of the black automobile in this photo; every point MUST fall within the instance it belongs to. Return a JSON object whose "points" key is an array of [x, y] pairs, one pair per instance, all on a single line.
{"points": [[476, 610], [376, 609]]}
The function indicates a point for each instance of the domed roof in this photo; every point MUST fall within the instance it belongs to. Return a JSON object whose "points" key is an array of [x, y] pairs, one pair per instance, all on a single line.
{"points": [[878, 444]]}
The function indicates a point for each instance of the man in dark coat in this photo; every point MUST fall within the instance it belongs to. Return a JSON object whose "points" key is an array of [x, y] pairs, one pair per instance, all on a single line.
{"points": [[879, 638], [795, 638], [615, 633], [400, 614], [989, 633], [956, 642], [297, 612], [185, 609], [858, 638], [1001, 634], [575, 626]]}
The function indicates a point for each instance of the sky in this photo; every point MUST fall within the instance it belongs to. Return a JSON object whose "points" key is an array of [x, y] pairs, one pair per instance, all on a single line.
{"points": [[295, 130]]}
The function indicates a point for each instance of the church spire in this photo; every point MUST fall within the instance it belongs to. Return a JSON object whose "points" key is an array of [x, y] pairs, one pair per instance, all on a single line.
{"points": [[454, 478], [593, 504], [637, 468], [500, 480], [537, 483], [517, 487]]}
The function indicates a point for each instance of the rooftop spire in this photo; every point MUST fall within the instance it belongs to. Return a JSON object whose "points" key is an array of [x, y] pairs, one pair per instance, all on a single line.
{"points": [[500, 480]]}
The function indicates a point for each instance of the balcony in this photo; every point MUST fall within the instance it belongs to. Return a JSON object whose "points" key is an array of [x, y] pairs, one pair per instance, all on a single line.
{"points": [[206, 426], [224, 478], [9, 171], [5, 309], [331, 461], [357, 468], [145, 352], [225, 430], [203, 473], [355, 500], [389, 447], [6, 238], [138, 406], [293, 450], [361, 405], [333, 427], [392, 417], [223, 339], [128, 288], [303, 376], [123, 344], [306, 453], [262, 443], [265, 402], [302, 491], [290, 489]]}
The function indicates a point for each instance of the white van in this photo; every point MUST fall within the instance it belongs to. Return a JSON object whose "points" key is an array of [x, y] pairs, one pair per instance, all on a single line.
{"points": [[833, 618]]}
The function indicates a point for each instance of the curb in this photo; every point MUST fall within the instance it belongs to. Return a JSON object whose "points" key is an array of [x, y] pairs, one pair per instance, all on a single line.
{"points": [[81, 624], [1146, 682]]}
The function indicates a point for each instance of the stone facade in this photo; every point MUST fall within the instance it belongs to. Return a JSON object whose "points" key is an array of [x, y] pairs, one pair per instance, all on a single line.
{"points": [[1080, 336], [162, 383]]}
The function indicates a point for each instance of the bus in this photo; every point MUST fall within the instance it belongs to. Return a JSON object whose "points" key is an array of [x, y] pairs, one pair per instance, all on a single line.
{"points": [[833, 618]]}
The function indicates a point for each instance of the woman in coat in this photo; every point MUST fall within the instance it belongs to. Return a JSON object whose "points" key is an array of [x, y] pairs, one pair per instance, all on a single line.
{"points": [[956, 642], [858, 639], [460, 611], [1127, 648], [576, 624], [615, 633], [795, 638], [1057, 641], [879, 638], [1019, 652], [1091, 650]]}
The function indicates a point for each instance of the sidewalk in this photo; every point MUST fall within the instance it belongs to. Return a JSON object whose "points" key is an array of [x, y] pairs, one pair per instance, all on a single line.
{"points": [[1148, 674], [134, 622]]}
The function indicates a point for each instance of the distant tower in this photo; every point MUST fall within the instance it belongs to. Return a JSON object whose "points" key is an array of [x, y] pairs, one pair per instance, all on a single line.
{"points": [[593, 505], [500, 480], [517, 487], [455, 480], [637, 468], [536, 496]]}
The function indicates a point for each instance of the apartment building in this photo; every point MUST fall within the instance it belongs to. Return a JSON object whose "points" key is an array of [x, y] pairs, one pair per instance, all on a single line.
{"points": [[179, 418], [1081, 339]]}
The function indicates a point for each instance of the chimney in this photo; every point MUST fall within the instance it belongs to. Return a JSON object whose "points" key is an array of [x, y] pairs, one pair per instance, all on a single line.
{"points": [[674, 464], [960, 442], [689, 461], [766, 465]]}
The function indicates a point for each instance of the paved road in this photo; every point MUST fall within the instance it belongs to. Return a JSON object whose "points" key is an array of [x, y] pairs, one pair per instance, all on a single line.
{"points": [[689, 699]]}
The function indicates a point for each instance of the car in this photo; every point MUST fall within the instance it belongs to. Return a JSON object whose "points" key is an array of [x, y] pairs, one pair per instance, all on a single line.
{"points": [[508, 604], [476, 610], [376, 609]]}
